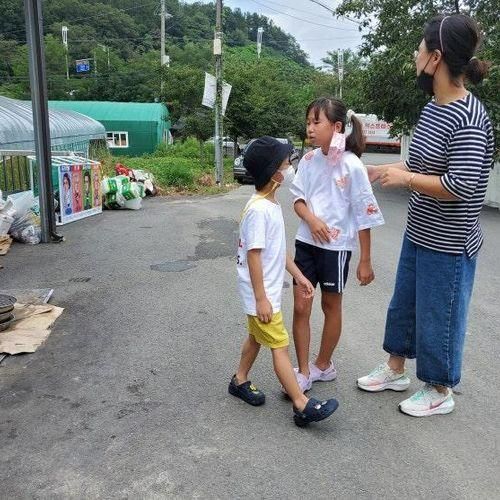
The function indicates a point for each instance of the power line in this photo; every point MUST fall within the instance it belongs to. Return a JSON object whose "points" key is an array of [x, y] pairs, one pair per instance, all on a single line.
{"points": [[302, 19], [288, 7]]}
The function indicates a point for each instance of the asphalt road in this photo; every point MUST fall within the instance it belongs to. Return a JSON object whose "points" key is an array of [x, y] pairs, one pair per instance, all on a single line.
{"points": [[128, 397]]}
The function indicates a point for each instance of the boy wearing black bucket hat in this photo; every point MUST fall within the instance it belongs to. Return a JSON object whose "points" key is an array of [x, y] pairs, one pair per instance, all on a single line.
{"points": [[261, 264]]}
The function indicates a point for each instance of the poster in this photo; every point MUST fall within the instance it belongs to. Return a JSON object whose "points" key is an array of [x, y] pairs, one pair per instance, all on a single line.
{"points": [[210, 91], [79, 191]]}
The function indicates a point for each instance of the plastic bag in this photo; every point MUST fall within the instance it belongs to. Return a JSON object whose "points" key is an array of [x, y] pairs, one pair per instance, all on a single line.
{"points": [[27, 229], [5, 223], [21, 202]]}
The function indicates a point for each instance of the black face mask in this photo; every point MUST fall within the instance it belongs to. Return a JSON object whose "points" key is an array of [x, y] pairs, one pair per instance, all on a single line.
{"points": [[425, 81]]}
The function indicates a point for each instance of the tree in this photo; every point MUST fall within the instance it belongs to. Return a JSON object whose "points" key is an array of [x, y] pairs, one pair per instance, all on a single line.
{"points": [[389, 83], [265, 99]]}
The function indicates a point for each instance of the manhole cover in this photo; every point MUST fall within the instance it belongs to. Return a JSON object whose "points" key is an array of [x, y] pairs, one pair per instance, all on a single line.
{"points": [[172, 266]]}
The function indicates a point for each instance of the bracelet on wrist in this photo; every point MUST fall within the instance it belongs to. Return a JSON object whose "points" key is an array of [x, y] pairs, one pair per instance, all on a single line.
{"points": [[412, 176]]}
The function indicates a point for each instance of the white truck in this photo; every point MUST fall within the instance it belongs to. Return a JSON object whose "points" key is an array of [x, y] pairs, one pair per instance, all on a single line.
{"points": [[377, 133]]}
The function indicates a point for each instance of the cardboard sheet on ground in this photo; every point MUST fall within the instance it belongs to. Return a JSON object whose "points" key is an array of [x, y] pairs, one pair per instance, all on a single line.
{"points": [[31, 328], [5, 242]]}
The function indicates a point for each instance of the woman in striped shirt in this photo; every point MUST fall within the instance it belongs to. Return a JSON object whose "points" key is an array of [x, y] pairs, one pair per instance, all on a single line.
{"points": [[447, 171]]}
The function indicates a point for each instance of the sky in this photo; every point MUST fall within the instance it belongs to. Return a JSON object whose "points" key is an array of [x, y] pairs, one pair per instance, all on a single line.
{"points": [[315, 29]]}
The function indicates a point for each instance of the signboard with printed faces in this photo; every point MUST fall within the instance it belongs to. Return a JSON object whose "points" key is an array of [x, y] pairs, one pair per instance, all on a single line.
{"points": [[79, 190], [82, 65]]}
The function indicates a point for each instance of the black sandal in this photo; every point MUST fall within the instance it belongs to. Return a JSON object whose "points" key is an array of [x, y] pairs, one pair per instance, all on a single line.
{"points": [[314, 411], [247, 392]]}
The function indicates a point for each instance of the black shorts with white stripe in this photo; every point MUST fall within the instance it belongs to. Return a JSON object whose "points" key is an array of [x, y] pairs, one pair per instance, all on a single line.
{"points": [[329, 268]]}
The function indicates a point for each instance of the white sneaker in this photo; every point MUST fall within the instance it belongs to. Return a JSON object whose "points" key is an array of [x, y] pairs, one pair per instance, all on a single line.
{"points": [[428, 401], [322, 375], [383, 378]]}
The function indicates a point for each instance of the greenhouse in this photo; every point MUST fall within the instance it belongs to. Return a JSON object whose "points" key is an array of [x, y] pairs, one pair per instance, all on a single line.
{"points": [[70, 132]]}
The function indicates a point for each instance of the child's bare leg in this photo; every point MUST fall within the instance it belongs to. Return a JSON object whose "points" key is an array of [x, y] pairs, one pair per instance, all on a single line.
{"points": [[284, 371], [301, 329], [331, 304], [249, 353]]}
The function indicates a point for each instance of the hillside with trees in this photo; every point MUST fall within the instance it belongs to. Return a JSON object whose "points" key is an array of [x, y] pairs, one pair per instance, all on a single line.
{"points": [[269, 93]]}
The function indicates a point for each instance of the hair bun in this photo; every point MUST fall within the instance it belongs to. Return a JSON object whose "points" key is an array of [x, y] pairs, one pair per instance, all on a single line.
{"points": [[476, 70]]}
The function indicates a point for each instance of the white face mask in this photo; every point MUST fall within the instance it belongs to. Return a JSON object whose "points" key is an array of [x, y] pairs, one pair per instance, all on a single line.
{"points": [[288, 176]]}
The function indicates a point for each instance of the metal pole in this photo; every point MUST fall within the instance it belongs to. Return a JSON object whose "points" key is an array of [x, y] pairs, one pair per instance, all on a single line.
{"points": [[38, 82], [162, 46], [219, 166]]}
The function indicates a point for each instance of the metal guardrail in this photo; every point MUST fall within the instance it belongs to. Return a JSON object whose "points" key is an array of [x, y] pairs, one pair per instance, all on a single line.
{"points": [[15, 171], [14, 174]]}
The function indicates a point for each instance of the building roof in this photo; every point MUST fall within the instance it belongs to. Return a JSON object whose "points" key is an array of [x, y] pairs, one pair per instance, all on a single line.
{"points": [[116, 111], [66, 127]]}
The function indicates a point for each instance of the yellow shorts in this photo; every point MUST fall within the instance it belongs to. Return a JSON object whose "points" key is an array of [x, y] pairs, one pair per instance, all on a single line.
{"points": [[273, 334]]}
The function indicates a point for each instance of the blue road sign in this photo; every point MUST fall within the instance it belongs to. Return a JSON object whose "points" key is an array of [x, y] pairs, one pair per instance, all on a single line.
{"points": [[82, 65]]}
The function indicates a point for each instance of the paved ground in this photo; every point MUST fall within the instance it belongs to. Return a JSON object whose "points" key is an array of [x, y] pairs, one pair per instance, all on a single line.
{"points": [[127, 399]]}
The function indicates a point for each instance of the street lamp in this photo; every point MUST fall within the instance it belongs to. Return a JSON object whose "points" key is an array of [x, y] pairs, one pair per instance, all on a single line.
{"points": [[340, 69], [259, 41], [64, 33]]}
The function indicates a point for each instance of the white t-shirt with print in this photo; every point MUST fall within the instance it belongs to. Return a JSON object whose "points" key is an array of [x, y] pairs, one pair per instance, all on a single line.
{"points": [[340, 195], [262, 227]]}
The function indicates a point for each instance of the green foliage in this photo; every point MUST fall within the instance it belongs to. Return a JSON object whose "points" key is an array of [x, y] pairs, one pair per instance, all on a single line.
{"points": [[169, 171], [388, 82], [180, 165], [269, 94], [189, 148]]}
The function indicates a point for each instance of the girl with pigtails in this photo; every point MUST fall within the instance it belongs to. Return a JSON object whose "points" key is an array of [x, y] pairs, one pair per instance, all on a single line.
{"points": [[334, 199]]}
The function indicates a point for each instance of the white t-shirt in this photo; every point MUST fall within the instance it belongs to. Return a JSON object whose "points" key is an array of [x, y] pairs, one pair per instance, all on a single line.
{"points": [[262, 227], [340, 195]]}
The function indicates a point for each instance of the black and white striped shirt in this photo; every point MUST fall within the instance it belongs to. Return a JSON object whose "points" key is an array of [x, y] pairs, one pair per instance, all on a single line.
{"points": [[454, 141]]}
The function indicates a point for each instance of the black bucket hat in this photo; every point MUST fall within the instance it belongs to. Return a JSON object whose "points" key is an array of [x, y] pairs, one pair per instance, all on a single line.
{"points": [[263, 158]]}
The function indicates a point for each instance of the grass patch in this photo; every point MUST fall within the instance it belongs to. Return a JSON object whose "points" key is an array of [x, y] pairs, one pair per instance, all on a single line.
{"points": [[182, 168]]}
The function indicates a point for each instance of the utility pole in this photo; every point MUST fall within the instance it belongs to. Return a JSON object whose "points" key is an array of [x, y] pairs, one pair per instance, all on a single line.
{"points": [[219, 165], [162, 46], [164, 59], [41, 128]]}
